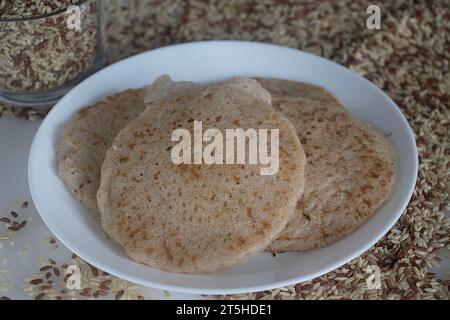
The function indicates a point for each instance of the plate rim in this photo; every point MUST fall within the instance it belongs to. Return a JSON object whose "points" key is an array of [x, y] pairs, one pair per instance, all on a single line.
{"points": [[243, 289]]}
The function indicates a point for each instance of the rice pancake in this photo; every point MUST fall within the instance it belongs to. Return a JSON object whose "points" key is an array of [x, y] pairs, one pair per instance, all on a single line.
{"points": [[82, 148], [198, 218], [350, 172]]}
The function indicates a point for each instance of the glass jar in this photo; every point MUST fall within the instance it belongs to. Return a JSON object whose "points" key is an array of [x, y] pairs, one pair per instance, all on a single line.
{"points": [[43, 57]]}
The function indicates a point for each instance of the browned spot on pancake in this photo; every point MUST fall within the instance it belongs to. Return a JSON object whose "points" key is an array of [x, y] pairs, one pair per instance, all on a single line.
{"points": [[167, 252], [123, 159], [142, 155], [260, 232], [191, 169], [283, 151], [131, 233], [122, 204], [359, 213], [194, 172], [250, 214], [266, 224], [374, 174], [366, 188]]}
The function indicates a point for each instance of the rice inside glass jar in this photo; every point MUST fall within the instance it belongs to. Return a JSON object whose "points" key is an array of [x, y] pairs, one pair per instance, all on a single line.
{"points": [[47, 47]]}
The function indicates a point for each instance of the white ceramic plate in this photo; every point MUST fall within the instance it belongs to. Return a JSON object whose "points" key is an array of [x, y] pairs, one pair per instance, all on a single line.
{"points": [[204, 62]]}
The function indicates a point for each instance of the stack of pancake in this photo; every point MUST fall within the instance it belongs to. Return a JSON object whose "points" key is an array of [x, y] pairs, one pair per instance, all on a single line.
{"points": [[115, 158]]}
